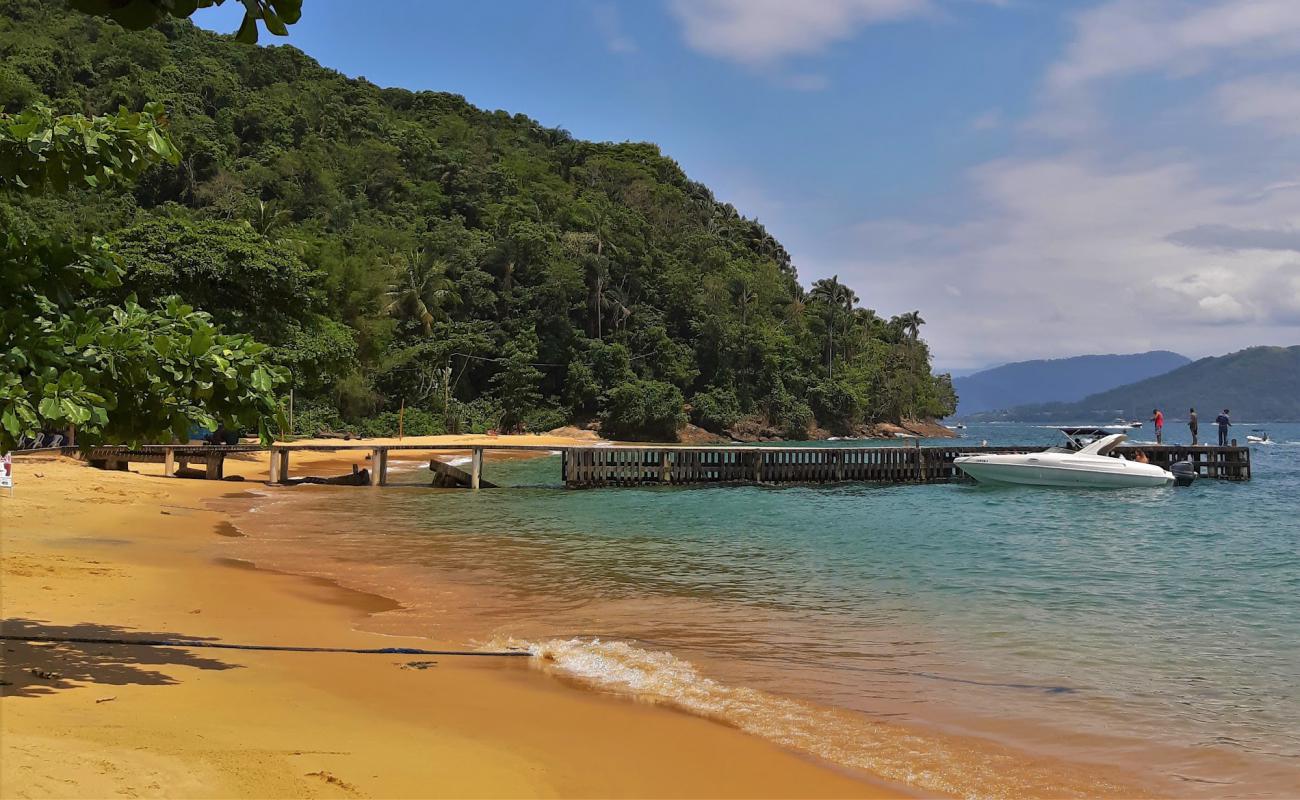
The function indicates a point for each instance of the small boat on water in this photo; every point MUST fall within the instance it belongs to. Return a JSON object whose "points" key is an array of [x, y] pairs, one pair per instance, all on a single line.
{"points": [[1259, 437], [1090, 466]]}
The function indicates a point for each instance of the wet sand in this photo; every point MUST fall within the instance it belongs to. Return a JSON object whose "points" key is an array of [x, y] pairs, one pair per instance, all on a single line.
{"points": [[98, 554]]}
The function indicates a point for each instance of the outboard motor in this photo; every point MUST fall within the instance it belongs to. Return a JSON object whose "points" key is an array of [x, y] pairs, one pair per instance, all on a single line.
{"points": [[1184, 473]]}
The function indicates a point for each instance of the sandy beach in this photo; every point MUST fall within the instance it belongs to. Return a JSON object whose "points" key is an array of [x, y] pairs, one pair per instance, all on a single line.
{"points": [[89, 553]]}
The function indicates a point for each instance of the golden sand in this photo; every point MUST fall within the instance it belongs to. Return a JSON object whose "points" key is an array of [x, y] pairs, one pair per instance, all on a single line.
{"points": [[128, 555]]}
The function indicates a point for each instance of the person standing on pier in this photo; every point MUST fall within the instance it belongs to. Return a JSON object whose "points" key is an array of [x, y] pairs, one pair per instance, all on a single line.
{"points": [[1194, 425], [1159, 420], [1225, 422]]}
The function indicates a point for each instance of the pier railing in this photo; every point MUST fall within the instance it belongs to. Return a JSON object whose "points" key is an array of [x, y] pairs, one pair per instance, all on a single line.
{"points": [[639, 466]]}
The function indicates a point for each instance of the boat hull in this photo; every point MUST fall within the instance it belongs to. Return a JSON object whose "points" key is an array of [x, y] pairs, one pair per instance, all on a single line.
{"points": [[1122, 475]]}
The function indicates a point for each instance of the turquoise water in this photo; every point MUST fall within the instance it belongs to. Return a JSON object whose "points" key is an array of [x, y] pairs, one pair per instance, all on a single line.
{"points": [[1154, 631]]}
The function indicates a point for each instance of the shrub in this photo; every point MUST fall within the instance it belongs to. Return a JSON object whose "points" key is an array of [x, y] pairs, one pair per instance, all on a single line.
{"points": [[644, 410], [540, 420], [836, 405], [716, 409], [788, 413], [314, 419], [476, 416]]}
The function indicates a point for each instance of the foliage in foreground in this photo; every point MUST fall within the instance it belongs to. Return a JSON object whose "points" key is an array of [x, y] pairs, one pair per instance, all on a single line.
{"points": [[116, 371], [400, 249]]}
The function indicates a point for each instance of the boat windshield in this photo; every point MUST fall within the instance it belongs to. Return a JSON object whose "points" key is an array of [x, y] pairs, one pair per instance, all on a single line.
{"points": [[1058, 450]]}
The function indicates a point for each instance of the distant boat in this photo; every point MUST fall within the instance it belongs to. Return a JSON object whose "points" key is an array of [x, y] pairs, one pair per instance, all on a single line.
{"points": [[1091, 467], [1262, 438]]}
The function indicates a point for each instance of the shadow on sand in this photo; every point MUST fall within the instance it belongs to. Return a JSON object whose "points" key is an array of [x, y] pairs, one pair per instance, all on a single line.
{"points": [[33, 669]]}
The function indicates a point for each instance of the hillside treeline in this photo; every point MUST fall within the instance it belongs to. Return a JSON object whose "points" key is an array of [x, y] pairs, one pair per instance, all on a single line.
{"points": [[403, 249]]}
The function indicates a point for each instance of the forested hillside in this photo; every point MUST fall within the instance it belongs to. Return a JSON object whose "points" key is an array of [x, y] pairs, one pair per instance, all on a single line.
{"points": [[1061, 380], [1259, 384], [406, 249]]}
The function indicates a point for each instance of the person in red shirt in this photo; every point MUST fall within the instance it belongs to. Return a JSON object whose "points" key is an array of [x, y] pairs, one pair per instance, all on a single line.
{"points": [[1159, 420]]}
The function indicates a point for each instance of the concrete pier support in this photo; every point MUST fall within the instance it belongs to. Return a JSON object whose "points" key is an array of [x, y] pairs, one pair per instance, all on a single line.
{"points": [[476, 468]]}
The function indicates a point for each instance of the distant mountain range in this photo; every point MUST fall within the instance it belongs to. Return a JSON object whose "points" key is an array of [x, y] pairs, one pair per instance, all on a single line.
{"points": [[1259, 384], [1063, 380]]}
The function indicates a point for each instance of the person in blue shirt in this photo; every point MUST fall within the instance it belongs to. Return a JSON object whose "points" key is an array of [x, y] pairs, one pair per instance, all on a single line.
{"points": [[1224, 424]]}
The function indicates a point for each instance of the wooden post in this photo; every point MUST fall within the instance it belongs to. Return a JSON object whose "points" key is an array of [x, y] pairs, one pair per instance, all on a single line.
{"points": [[665, 468], [169, 462], [284, 466], [401, 414], [273, 468], [383, 467], [476, 468]]}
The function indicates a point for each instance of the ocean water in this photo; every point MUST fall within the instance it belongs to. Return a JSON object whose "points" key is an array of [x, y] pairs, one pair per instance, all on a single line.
{"points": [[971, 640]]}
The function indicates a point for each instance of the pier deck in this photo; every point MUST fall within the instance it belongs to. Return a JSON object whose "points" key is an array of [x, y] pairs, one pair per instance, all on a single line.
{"points": [[641, 465], [589, 466]]}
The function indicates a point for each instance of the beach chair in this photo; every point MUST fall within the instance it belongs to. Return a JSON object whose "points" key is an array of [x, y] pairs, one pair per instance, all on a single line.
{"points": [[55, 441]]}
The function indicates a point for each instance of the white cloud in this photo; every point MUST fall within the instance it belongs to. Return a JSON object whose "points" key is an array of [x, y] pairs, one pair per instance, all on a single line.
{"points": [[763, 32], [1074, 254], [1269, 101], [1173, 36]]}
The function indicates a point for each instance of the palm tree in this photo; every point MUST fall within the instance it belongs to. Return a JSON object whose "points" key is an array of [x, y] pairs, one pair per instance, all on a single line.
{"points": [[837, 301], [420, 288], [911, 322], [618, 302], [266, 218], [744, 294]]}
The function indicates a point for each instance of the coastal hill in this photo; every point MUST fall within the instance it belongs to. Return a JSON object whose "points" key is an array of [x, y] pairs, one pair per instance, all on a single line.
{"points": [[408, 252], [1259, 384], [1063, 380]]}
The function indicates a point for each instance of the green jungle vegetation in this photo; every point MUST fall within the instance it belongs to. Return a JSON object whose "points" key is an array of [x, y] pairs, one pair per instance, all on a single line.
{"points": [[391, 250], [1258, 384]]}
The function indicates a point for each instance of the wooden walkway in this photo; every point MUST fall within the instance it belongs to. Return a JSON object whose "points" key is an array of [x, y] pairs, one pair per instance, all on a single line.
{"points": [[643, 465], [213, 457], [640, 465]]}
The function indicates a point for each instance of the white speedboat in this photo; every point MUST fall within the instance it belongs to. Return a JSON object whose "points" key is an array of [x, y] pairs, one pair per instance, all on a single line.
{"points": [[1091, 466]]}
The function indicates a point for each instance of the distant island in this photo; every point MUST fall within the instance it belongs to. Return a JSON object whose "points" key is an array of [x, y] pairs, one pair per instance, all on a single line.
{"points": [[1259, 384], [1063, 380], [408, 256]]}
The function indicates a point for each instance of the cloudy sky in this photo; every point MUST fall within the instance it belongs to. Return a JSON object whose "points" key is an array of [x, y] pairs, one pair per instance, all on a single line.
{"points": [[1039, 177]]}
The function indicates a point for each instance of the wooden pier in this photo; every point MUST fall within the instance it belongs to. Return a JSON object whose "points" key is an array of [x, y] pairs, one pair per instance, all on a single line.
{"points": [[589, 466], [213, 457], [640, 466], [643, 465]]}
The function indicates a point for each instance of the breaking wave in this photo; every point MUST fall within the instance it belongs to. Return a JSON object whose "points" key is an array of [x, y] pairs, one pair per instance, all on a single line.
{"points": [[927, 761]]}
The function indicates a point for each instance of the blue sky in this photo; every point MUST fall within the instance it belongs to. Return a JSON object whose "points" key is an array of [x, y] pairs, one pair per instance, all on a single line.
{"points": [[1039, 177]]}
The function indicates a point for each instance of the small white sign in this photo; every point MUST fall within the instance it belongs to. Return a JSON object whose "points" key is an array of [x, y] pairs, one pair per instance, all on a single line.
{"points": [[7, 473]]}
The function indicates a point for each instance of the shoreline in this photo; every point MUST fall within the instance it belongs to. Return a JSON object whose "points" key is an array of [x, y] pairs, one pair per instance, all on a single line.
{"points": [[123, 555], [948, 759]]}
